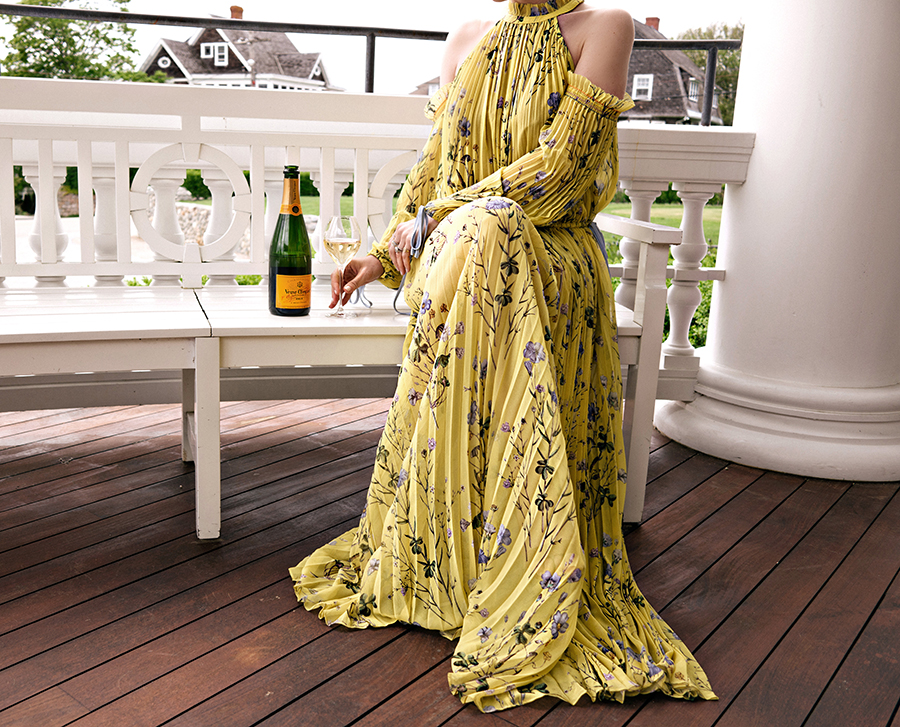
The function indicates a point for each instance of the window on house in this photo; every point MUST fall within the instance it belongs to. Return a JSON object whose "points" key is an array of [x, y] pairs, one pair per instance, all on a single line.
{"points": [[217, 51], [694, 89], [642, 87]]}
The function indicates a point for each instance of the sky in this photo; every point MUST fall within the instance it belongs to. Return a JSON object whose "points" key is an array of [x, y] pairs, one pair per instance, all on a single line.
{"points": [[400, 65]]}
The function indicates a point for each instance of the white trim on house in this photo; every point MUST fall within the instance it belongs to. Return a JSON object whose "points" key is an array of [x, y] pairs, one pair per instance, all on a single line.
{"points": [[642, 87]]}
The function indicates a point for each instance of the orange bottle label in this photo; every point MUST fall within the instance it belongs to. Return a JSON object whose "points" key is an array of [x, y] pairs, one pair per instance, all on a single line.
{"points": [[290, 199], [293, 291]]}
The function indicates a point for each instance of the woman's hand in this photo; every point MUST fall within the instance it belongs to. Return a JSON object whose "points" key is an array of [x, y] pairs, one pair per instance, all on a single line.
{"points": [[401, 243], [359, 271]]}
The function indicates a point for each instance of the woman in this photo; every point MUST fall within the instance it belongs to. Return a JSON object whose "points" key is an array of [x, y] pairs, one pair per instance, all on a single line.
{"points": [[494, 512]]}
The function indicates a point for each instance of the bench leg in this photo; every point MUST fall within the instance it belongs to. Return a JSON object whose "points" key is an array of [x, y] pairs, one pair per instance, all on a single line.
{"points": [[188, 392], [207, 459]]}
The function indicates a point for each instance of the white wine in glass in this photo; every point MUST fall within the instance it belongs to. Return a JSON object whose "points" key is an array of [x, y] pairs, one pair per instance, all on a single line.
{"points": [[342, 241]]}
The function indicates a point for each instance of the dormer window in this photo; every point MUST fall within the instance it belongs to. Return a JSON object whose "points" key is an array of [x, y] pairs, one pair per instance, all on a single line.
{"points": [[217, 51], [694, 90], [642, 88]]}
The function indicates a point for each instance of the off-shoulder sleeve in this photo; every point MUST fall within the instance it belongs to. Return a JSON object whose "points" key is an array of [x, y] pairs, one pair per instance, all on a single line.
{"points": [[576, 148], [418, 189]]}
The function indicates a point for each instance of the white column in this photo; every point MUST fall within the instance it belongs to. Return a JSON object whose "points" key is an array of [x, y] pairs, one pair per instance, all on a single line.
{"points": [[801, 372]]}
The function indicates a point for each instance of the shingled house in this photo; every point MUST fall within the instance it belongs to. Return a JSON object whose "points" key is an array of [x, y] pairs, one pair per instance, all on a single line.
{"points": [[666, 85], [236, 58]]}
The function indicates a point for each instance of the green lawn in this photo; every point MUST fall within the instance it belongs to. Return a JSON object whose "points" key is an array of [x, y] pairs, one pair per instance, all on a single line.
{"points": [[669, 214], [310, 205]]}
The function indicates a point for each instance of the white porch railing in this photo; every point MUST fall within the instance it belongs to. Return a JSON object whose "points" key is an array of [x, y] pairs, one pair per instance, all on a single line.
{"points": [[107, 129]]}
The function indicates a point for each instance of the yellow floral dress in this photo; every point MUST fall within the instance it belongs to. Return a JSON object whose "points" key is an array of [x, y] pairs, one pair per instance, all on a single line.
{"points": [[495, 509]]}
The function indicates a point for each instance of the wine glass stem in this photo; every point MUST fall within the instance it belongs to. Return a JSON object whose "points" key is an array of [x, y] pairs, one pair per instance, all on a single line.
{"points": [[340, 305]]}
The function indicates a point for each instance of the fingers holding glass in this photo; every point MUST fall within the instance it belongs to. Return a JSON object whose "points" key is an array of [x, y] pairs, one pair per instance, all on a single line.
{"points": [[341, 241]]}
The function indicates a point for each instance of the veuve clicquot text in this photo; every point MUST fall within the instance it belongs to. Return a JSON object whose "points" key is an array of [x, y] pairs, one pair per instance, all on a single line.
{"points": [[290, 254]]}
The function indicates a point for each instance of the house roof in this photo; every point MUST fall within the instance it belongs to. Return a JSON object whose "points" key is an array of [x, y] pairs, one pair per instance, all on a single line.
{"points": [[672, 71], [272, 54]]}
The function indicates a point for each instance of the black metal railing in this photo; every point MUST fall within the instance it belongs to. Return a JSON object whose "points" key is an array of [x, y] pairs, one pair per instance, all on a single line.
{"points": [[100, 16]]}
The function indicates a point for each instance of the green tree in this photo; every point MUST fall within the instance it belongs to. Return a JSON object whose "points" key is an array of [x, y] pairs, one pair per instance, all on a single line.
{"points": [[62, 48], [728, 65]]}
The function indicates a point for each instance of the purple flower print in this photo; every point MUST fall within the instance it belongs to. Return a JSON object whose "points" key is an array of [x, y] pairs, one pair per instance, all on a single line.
{"points": [[497, 203], [559, 623], [533, 353], [414, 396], [464, 127], [553, 101], [576, 576], [504, 536], [431, 444], [473, 413], [484, 633], [482, 557], [550, 580], [464, 524], [505, 427]]}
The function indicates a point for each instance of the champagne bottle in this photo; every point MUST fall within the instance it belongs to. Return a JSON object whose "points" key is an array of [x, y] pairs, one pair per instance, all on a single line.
{"points": [[290, 254]]}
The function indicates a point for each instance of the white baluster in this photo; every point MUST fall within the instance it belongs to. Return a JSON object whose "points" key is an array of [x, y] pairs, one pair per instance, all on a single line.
{"points": [[323, 265], [219, 219], [105, 248], [389, 193], [684, 293], [274, 189], [61, 238], [642, 194], [165, 217]]}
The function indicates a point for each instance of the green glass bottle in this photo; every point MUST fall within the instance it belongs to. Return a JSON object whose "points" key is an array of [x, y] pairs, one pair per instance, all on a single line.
{"points": [[290, 254]]}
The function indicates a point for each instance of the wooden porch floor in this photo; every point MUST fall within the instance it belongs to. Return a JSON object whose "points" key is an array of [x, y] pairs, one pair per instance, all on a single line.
{"points": [[112, 613]]}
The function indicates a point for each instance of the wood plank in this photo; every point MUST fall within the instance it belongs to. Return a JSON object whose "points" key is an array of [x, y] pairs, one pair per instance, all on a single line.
{"points": [[681, 515], [709, 600], [81, 638], [678, 481], [72, 596], [428, 698], [664, 578], [814, 648], [732, 654], [62, 513], [144, 449], [136, 611], [89, 548], [13, 422], [179, 630], [398, 664], [283, 681], [103, 446], [667, 457], [864, 692]]}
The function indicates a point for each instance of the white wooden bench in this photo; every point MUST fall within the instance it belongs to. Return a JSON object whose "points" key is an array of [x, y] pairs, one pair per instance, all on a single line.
{"points": [[205, 331]]}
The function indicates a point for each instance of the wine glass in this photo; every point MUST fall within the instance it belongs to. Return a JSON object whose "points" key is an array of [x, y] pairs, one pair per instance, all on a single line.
{"points": [[341, 240]]}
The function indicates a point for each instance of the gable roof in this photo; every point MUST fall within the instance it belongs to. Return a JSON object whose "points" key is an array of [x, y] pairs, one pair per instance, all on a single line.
{"points": [[672, 71], [273, 54]]}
